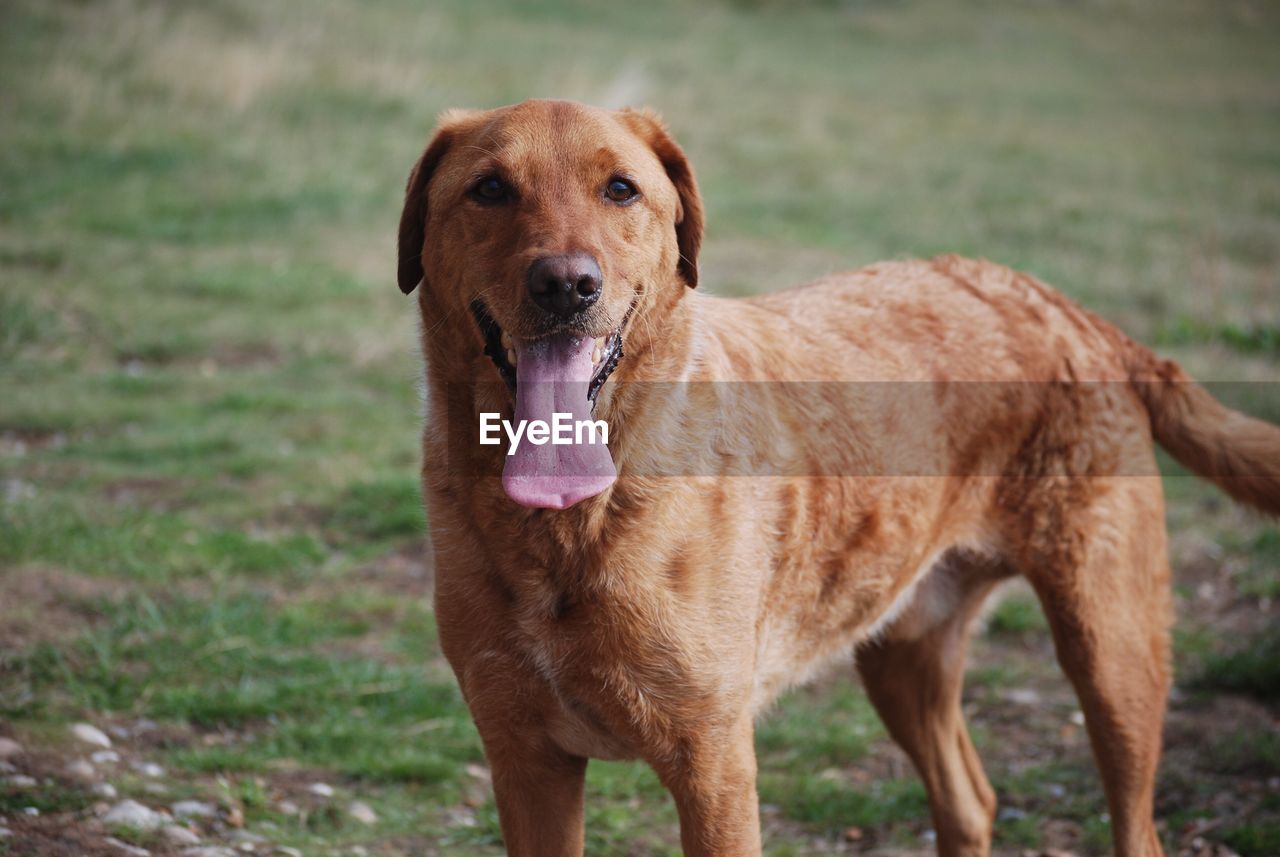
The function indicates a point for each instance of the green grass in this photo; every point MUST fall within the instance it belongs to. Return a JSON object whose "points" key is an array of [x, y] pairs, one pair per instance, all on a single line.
{"points": [[209, 406]]}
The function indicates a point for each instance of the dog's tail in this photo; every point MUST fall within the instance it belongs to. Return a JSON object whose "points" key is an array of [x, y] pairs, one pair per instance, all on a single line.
{"points": [[1237, 452]]}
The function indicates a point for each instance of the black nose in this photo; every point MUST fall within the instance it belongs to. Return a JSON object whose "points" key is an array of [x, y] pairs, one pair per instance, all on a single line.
{"points": [[565, 285]]}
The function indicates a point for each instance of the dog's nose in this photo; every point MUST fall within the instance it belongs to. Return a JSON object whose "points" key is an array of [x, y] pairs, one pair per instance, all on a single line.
{"points": [[565, 285]]}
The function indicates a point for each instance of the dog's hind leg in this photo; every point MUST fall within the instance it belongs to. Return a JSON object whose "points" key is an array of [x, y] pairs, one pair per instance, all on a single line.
{"points": [[1104, 585], [914, 674]]}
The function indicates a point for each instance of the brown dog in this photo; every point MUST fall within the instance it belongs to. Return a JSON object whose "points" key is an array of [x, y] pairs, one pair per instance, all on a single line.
{"points": [[649, 598]]}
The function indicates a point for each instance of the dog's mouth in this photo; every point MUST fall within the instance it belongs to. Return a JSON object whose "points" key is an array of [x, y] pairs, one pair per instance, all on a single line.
{"points": [[554, 381], [501, 348]]}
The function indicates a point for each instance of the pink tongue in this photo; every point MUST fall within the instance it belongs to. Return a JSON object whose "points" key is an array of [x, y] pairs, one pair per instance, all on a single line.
{"points": [[552, 376]]}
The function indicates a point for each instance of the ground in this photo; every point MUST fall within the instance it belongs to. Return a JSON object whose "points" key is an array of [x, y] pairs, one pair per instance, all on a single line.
{"points": [[210, 527]]}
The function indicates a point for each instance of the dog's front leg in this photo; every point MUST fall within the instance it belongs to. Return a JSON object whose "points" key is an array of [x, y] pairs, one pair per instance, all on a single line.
{"points": [[539, 791], [537, 786], [713, 780]]}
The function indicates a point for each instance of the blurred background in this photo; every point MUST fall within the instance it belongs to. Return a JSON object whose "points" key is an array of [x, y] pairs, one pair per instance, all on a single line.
{"points": [[211, 539]]}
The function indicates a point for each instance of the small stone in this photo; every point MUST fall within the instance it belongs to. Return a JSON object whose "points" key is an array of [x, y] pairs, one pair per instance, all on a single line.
{"points": [[1011, 813], [105, 790], [131, 850], [194, 809], [362, 812], [22, 781], [148, 769], [81, 771], [1021, 696], [91, 734], [175, 834], [5, 833], [208, 851], [6, 767], [9, 748], [1077, 717], [461, 817], [288, 807], [321, 789], [31, 811], [104, 757], [246, 836], [286, 851], [130, 813], [155, 788]]}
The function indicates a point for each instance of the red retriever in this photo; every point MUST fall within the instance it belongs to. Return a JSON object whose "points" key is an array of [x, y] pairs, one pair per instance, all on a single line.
{"points": [[846, 467]]}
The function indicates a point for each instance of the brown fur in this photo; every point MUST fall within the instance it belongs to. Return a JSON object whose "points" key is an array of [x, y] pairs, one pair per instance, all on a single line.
{"points": [[656, 620]]}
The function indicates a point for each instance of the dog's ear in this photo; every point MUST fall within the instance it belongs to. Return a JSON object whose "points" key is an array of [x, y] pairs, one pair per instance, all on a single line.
{"points": [[648, 126], [413, 219]]}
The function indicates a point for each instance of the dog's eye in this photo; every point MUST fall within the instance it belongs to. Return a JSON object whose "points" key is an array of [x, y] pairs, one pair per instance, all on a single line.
{"points": [[490, 189], [620, 190]]}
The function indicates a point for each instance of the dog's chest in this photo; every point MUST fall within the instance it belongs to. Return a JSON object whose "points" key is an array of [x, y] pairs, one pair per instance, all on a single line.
{"points": [[612, 679]]}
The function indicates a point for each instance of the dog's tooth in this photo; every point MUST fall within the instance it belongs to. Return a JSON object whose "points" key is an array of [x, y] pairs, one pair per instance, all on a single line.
{"points": [[506, 341], [511, 356], [595, 354]]}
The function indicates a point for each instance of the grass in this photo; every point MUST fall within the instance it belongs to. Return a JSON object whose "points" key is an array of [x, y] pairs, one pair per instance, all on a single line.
{"points": [[209, 407]]}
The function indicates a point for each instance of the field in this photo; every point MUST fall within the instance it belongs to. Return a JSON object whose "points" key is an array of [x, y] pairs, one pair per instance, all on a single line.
{"points": [[211, 537]]}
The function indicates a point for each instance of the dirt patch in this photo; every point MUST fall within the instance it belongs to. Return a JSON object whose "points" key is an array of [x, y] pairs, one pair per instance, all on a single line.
{"points": [[42, 604], [150, 492], [57, 836], [407, 571]]}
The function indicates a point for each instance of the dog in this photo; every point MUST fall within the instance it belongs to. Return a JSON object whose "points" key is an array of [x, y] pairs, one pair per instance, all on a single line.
{"points": [[845, 467]]}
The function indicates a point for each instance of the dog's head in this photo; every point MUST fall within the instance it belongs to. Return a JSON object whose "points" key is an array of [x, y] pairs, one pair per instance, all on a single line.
{"points": [[549, 226]]}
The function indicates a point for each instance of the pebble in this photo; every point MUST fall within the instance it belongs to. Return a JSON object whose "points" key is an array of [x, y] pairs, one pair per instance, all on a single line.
{"points": [[208, 851], [155, 788], [1011, 813], [246, 837], [22, 781], [5, 833], [286, 851], [90, 734], [105, 790], [130, 813], [31, 811], [148, 769], [175, 834], [461, 818], [322, 789], [104, 757], [194, 809], [81, 771], [1021, 696], [362, 812], [288, 807], [131, 850], [9, 747]]}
